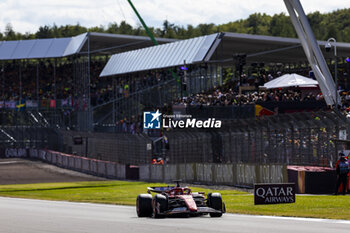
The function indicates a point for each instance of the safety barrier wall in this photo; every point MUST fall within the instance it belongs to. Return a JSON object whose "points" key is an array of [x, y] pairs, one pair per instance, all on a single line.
{"points": [[15, 153], [204, 173], [225, 174], [81, 164]]}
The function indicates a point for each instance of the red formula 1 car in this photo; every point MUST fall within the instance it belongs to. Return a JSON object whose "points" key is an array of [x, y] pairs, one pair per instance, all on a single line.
{"points": [[178, 201]]}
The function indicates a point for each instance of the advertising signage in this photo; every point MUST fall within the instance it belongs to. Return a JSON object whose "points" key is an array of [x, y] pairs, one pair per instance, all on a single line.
{"points": [[265, 194], [77, 140]]}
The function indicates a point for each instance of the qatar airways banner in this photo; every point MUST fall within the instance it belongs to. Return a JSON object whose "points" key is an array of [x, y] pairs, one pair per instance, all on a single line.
{"points": [[274, 193]]}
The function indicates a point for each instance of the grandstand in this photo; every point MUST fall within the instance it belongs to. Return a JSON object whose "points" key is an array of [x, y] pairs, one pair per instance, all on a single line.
{"points": [[50, 84], [56, 89], [60, 72]]}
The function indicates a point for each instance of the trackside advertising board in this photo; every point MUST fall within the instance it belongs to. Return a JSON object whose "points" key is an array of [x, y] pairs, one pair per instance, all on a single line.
{"points": [[274, 193]]}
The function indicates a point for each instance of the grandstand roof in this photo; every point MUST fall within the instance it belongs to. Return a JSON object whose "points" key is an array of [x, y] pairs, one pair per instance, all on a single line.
{"points": [[107, 43], [223, 46], [168, 55], [269, 48], [61, 47]]}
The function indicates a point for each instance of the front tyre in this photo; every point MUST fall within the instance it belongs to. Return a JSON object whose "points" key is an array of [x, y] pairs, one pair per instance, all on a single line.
{"points": [[144, 205], [215, 202], [160, 205]]}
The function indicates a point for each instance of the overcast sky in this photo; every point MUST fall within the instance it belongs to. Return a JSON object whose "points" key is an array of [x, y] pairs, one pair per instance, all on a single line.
{"points": [[28, 15]]}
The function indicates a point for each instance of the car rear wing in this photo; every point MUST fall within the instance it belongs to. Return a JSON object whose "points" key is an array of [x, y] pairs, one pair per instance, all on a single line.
{"points": [[160, 189]]}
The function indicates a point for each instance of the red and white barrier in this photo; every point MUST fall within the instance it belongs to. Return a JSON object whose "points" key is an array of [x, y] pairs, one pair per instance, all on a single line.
{"points": [[33, 153], [15, 153], [71, 162], [78, 163], [111, 169], [85, 165], [59, 160], [64, 160], [53, 158], [120, 171], [93, 167], [101, 168]]}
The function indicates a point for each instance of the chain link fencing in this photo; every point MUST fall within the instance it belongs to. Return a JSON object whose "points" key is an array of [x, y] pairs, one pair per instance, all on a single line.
{"points": [[295, 139], [306, 138]]}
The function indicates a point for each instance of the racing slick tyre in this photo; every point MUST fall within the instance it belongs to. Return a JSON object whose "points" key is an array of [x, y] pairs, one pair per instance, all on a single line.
{"points": [[215, 202], [144, 205], [160, 205]]}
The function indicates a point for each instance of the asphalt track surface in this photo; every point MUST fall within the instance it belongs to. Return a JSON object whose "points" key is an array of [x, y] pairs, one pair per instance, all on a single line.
{"points": [[33, 216]]}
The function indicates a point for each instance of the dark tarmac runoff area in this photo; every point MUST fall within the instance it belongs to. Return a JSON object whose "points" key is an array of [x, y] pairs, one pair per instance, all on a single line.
{"points": [[23, 171]]}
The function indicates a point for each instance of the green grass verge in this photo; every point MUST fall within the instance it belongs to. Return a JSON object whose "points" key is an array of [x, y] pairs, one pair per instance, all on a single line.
{"points": [[124, 193]]}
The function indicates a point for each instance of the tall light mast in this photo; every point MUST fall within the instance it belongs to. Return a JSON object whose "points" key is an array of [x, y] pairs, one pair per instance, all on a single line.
{"points": [[150, 35], [313, 52]]}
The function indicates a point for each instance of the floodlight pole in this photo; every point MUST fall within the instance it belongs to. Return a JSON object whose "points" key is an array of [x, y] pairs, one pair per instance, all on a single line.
{"points": [[312, 51], [314, 56], [89, 112], [55, 83], [37, 86], [183, 79], [3, 82], [149, 33], [334, 42]]}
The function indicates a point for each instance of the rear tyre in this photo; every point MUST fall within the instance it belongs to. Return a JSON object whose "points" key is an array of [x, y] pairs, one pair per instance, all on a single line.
{"points": [[160, 205], [215, 202], [144, 205]]}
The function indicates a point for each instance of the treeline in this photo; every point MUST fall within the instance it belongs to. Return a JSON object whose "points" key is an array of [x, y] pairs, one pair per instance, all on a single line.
{"points": [[335, 24]]}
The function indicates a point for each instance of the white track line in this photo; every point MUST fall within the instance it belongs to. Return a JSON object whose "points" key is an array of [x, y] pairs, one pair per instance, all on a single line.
{"points": [[303, 219], [9, 162]]}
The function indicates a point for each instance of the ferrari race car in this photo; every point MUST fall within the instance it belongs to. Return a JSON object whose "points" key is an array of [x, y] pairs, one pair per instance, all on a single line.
{"points": [[178, 200]]}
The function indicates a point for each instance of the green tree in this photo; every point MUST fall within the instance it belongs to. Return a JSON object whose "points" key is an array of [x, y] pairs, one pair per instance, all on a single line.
{"points": [[97, 29], [125, 28], [315, 20], [55, 31], [281, 25], [180, 32], [113, 28], [191, 32], [167, 30], [206, 29], [334, 24], [258, 24], [9, 32], [28, 36], [44, 32]]}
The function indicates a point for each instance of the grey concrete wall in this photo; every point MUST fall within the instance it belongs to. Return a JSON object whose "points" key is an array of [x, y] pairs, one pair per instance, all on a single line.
{"points": [[225, 174], [82, 164], [205, 173]]}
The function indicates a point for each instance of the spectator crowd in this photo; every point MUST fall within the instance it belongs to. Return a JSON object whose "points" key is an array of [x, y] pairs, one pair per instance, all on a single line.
{"points": [[66, 82], [62, 82]]}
